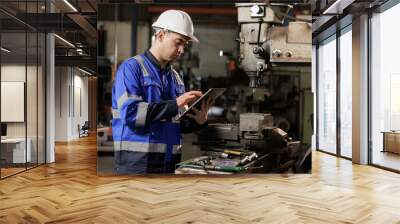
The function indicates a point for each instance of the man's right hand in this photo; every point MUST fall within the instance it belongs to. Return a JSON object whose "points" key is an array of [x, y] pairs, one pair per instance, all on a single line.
{"points": [[188, 97]]}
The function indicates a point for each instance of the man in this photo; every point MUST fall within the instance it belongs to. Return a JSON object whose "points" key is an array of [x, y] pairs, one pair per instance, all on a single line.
{"points": [[147, 95]]}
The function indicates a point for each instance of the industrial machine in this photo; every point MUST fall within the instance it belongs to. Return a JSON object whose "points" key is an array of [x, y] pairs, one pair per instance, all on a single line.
{"points": [[266, 40], [273, 39], [253, 146]]}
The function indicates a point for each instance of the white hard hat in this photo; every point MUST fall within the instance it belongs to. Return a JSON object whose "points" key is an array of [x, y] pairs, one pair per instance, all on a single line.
{"points": [[177, 21]]}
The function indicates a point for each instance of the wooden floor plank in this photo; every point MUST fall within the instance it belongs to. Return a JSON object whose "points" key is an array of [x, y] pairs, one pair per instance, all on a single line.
{"points": [[70, 191]]}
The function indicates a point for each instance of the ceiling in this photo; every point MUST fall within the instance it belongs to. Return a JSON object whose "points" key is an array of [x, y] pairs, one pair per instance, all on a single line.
{"points": [[72, 20], [76, 22], [332, 15]]}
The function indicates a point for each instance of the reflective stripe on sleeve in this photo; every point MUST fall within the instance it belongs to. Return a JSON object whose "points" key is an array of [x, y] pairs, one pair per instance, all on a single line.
{"points": [[121, 100], [125, 97], [141, 114], [140, 147]]}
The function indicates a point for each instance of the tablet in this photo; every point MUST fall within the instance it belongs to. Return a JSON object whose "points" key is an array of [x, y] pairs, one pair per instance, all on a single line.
{"points": [[214, 93]]}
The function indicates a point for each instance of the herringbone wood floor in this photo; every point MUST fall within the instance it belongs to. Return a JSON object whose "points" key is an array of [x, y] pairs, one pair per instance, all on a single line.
{"points": [[69, 191]]}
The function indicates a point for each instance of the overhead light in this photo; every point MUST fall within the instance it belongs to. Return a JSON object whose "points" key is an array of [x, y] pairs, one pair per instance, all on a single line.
{"points": [[80, 51], [225, 53], [84, 71], [65, 41], [70, 5], [5, 50]]}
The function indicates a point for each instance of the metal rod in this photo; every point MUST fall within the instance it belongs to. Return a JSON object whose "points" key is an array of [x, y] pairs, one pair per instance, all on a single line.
{"points": [[26, 89], [227, 10], [338, 93], [17, 19]]}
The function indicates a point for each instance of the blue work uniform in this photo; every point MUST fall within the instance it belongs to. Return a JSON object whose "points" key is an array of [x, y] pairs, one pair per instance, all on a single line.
{"points": [[147, 136]]}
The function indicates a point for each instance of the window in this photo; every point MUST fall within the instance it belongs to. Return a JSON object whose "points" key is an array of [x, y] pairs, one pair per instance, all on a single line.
{"points": [[385, 86], [22, 76], [327, 95], [346, 92]]}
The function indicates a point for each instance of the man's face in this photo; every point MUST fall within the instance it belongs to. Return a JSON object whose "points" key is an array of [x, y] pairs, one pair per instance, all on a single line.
{"points": [[172, 45]]}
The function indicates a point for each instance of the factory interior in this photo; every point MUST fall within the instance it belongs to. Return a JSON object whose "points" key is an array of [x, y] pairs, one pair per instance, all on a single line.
{"points": [[265, 111], [305, 128]]}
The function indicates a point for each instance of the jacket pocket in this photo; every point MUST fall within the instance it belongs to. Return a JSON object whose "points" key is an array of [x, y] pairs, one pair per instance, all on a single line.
{"points": [[152, 89]]}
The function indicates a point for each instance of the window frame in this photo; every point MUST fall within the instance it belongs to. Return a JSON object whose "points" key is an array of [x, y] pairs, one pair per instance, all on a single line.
{"points": [[346, 26]]}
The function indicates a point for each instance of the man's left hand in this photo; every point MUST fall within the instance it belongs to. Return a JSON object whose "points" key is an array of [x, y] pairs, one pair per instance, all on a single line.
{"points": [[201, 116]]}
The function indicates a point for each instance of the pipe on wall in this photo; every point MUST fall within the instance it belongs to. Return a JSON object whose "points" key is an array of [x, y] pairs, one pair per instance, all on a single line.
{"points": [[226, 11]]}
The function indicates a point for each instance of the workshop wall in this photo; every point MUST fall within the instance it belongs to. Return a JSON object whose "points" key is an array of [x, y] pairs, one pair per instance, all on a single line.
{"points": [[212, 39], [118, 40], [142, 39]]}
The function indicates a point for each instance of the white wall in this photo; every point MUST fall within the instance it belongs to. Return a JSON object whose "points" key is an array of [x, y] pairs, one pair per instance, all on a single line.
{"points": [[70, 83], [61, 104], [33, 126], [12, 73], [80, 93]]}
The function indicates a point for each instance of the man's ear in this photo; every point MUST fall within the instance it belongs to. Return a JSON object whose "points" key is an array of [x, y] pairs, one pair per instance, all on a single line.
{"points": [[161, 36]]}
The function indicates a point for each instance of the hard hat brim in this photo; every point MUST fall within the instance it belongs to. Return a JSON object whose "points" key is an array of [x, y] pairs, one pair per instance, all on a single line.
{"points": [[191, 37]]}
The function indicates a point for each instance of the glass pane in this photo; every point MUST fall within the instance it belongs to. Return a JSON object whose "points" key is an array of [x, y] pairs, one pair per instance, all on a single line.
{"points": [[385, 85], [13, 85], [314, 81], [346, 94], [41, 99], [106, 69], [31, 97], [327, 96]]}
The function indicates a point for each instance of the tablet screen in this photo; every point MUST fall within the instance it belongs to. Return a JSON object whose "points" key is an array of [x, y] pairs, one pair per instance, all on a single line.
{"points": [[213, 93]]}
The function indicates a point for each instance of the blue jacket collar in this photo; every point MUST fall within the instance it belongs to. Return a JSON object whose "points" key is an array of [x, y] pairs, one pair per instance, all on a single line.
{"points": [[154, 61]]}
